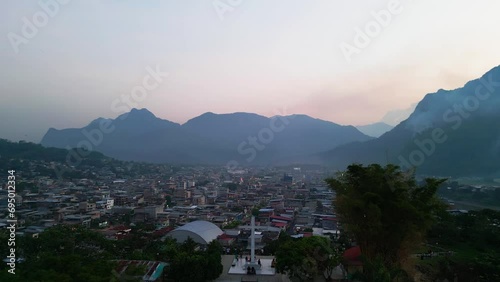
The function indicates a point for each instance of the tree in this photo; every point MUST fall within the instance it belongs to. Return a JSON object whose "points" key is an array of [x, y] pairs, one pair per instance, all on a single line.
{"points": [[168, 200], [475, 239], [377, 271], [255, 211], [233, 224], [332, 262], [385, 210], [67, 253], [319, 207], [272, 247], [305, 258], [189, 264], [188, 267], [189, 245], [214, 266]]}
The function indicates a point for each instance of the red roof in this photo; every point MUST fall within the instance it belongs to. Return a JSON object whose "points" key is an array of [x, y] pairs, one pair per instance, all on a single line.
{"points": [[279, 224], [353, 256], [163, 231], [352, 253], [224, 236]]}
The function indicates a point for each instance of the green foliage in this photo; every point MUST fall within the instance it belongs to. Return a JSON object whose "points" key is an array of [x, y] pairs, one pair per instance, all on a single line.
{"points": [[474, 238], [306, 258], [483, 197], [377, 271], [15, 152], [190, 265], [67, 253], [478, 229], [474, 140], [168, 200], [135, 270], [233, 224], [385, 210], [187, 267], [73, 253], [32, 151], [319, 207], [272, 247], [255, 211]]}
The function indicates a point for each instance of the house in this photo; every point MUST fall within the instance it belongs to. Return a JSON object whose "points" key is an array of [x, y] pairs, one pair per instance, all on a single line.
{"points": [[77, 219], [226, 240], [264, 215], [352, 259]]}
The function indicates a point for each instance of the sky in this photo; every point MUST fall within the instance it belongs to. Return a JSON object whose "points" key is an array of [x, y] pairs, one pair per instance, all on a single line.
{"points": [[65, 63]]}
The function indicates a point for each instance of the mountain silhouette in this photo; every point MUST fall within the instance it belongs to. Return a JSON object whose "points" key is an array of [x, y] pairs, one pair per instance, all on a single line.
{"points": [[247, 138]]}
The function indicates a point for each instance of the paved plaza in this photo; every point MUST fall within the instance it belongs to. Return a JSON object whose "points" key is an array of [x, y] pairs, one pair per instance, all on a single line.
{"points": [[236, 273], [265, 269]]}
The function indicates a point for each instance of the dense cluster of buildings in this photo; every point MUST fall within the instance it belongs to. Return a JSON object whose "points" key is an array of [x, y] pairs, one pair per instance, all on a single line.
{"points": [[115, 197], [203, 203]]}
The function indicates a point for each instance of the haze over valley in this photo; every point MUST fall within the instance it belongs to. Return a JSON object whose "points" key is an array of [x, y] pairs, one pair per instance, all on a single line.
{"points": [[237, 140], [450, 132]]}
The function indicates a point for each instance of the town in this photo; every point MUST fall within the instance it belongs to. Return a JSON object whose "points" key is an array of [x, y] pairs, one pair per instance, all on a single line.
{"points": [[156, 216], [114, 198]]}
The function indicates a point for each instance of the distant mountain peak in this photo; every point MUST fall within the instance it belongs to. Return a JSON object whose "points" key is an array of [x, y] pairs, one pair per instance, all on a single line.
{"points": [[142, 112], [467, 119], [394, 117], [375, 129], [212, 138], [211, 117]]}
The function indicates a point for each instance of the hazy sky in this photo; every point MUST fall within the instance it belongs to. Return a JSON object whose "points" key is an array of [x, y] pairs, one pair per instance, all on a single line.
{"points": [[223, 56]]}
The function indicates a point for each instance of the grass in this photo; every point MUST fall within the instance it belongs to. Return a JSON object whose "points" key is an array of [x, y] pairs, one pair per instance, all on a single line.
{"points": [[464, 252], [461, 253]]}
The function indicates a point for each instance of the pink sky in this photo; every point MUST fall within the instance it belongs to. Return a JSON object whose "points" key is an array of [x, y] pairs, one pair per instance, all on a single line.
{"points": [[261, 56]]}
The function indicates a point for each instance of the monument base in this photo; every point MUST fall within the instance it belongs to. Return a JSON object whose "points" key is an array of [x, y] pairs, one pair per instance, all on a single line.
{"points": [[265, 268], [252, 264]]}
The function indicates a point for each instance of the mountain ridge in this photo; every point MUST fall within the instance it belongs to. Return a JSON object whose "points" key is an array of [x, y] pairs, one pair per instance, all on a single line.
{"points": [[375, 129], [450, 132], [209, 138]]}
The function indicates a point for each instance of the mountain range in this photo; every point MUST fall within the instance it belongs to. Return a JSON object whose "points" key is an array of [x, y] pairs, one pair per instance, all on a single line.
{"points": [[375, 129], [450, 133], [207, 139]]}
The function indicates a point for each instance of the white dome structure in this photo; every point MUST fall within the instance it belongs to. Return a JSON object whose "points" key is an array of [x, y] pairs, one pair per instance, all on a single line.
{"points": [[202, 232]]}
